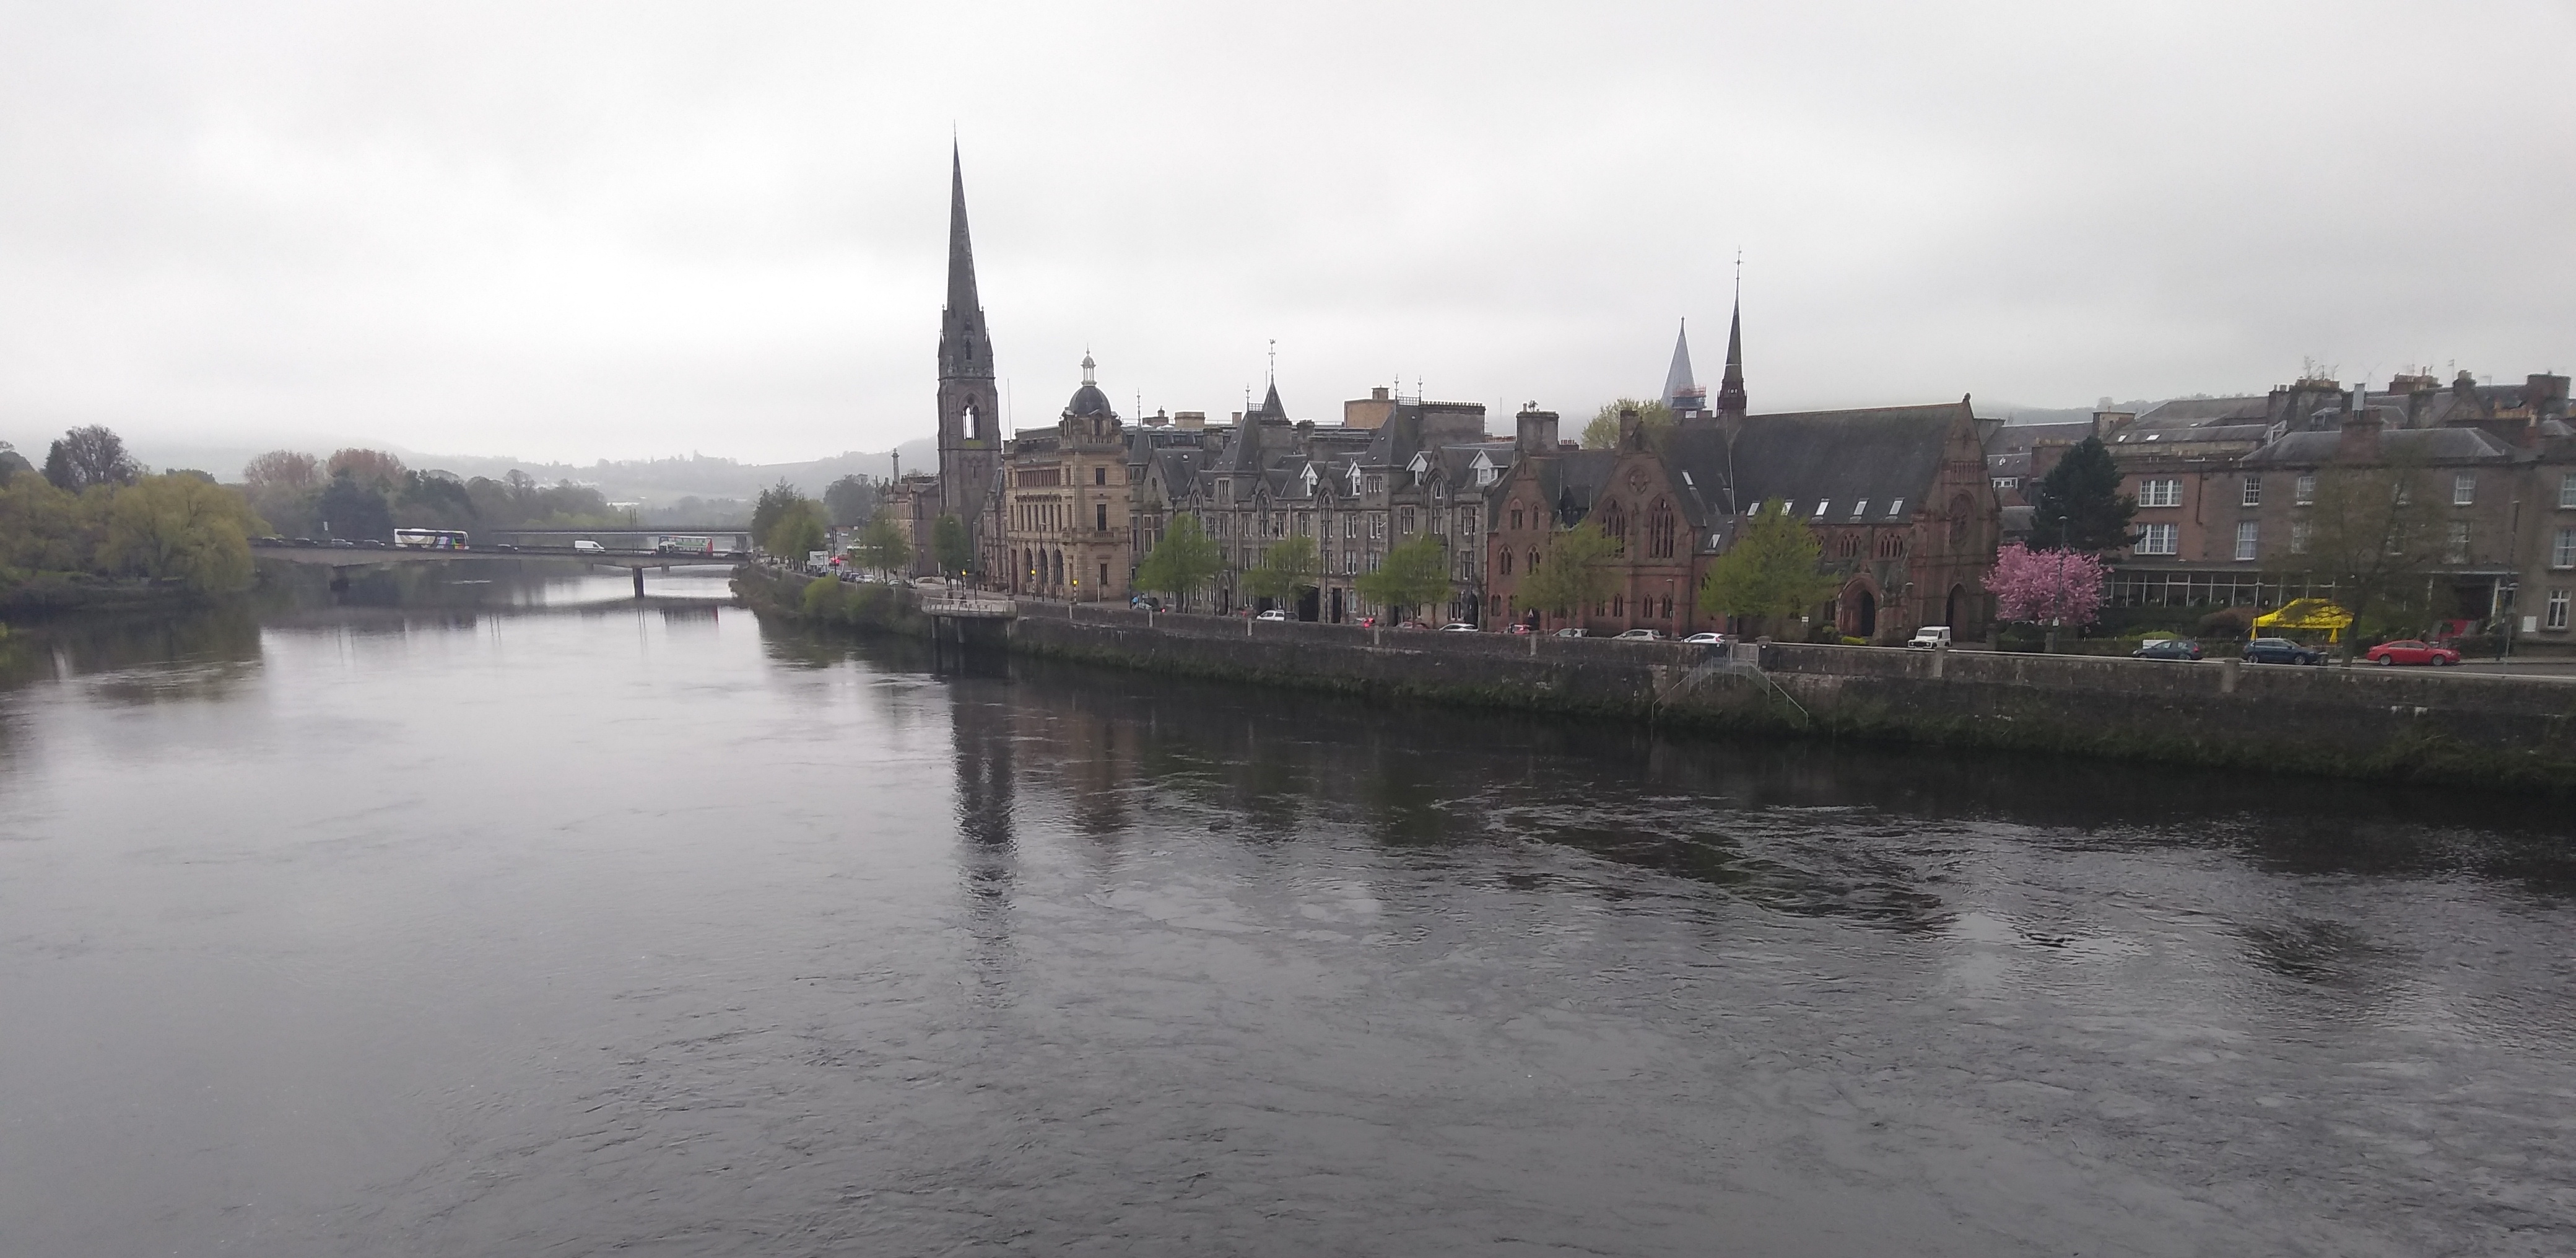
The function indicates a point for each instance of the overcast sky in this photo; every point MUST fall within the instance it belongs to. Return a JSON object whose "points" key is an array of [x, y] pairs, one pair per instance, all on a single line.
{"points": [[625, 229]]}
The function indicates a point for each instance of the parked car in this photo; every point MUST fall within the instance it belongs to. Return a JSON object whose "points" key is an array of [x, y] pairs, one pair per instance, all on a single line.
{"points": [[374, 543], [1413, 624], [1522, 627], [1705, 639], [1642, 635], [1457, 626], [2410, 651], [585, 546], [2281, 651], [1569, 632], [1273, 614], [342, 541], [1368, 622], [1929, 637], [268, 541], [303, 541], [2167, 649]]}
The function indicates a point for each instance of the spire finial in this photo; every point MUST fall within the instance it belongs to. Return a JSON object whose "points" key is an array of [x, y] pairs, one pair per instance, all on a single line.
{"points": [[1274, 362], [1087, 366]]}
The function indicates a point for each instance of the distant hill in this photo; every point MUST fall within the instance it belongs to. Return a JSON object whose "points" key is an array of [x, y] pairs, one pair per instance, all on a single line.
{"points": [[648, 481]]}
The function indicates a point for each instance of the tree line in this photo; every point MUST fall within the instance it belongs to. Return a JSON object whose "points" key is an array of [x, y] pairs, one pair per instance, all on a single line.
{"points": [[94, 514]]}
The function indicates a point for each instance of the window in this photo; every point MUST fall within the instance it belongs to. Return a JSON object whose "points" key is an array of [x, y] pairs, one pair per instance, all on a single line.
{"points": [[2557, 610], [1350, 527], [2307, 488], [2253, 491], [2464, 488], [2455, 548], [1377, 529], [1659, 530], [1100, 476], [2298, 537], [2007, 482], [1100, 516], [1466, 521], [2160, 539], [1404, 520], [1860, 508], [2249, 536], [2562, 553], [1503, 561], [1516, 515], [1896, 509], [2163, 492], [1533, 560], [2567, 490], [1821, 504]]}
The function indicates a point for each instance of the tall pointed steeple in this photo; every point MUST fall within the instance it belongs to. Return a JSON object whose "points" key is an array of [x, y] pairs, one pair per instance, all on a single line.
{"points": [[1730, 389], [964, 347], [1678, 381], [970, 410]]}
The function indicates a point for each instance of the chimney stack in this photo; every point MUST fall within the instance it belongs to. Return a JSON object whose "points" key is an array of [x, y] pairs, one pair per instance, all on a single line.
{"points": [[1631, 429], [2359, 440], [1536, 430]]}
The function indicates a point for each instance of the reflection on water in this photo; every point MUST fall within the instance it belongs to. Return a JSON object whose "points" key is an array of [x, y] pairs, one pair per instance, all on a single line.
{"points": [[523, 918]]}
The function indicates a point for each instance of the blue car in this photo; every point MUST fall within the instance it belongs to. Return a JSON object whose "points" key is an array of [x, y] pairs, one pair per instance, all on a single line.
{"points": [[2167, 649]]}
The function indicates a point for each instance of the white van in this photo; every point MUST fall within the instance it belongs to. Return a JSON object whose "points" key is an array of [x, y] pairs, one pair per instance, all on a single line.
{"points": [[588, 547], [1929, 638]]}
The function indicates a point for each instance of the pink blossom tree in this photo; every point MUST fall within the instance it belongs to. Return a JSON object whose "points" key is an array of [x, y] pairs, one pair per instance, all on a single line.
{"points": [[2050, 587]]}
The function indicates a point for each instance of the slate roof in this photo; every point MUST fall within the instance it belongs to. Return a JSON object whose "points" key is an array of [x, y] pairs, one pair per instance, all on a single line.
{"points": [[2433, 445], [2202, 410], [1877, 455]]}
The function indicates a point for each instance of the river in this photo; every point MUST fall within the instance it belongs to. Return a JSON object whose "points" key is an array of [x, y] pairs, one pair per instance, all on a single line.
{"points": [[509, 918]]}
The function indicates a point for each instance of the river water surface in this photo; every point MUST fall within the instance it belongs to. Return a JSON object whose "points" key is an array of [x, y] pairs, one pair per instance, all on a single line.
{"points": [[514, 919]]}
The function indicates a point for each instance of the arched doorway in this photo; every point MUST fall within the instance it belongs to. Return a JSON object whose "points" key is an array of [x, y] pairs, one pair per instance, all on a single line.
{"points": [[1864, 613], [1955, 613]]}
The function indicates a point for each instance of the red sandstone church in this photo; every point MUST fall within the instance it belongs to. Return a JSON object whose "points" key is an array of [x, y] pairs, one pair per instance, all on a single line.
{"points": [[1898, 496]]}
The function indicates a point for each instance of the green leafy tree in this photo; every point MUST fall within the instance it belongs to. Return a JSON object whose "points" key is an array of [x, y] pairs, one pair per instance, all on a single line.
{"points": [[1183, 562], [2378, 536], [1573, 573], [43, 529], [1770, 573], [1415, 575], [1286, 568], [181, 527], [800, 529], [2079, 506], [881, 545], [352, 508], [851, 500], [772, 504], [1602, 433], [12, 463], [949, 547]]}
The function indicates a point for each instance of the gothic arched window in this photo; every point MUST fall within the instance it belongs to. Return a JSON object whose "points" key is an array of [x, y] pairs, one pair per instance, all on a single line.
{"points": [[1614, 523], [1659, 530]]}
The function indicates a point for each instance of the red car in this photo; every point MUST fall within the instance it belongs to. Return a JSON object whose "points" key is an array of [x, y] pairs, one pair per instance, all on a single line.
{"points": [[2410, 651]]}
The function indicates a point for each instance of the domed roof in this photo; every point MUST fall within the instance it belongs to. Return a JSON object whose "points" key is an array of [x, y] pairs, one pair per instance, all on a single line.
{"points": [[1088, 400]]}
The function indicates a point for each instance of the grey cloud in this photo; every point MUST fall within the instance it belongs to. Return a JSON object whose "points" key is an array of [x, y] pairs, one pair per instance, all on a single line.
{"points": [[625, 229]]}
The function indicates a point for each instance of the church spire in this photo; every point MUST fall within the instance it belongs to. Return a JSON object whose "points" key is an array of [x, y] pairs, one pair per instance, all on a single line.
{"points": [[964, 347], [1730, 390], [1681, 388]]}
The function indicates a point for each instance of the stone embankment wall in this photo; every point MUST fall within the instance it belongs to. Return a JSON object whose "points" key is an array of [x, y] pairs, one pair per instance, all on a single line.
{"points": [[2422, 725], [2414, 725]]}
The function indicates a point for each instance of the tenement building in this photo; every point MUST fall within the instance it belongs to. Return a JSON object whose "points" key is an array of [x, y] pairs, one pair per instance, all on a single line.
{"points": [[2226, 490]]}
